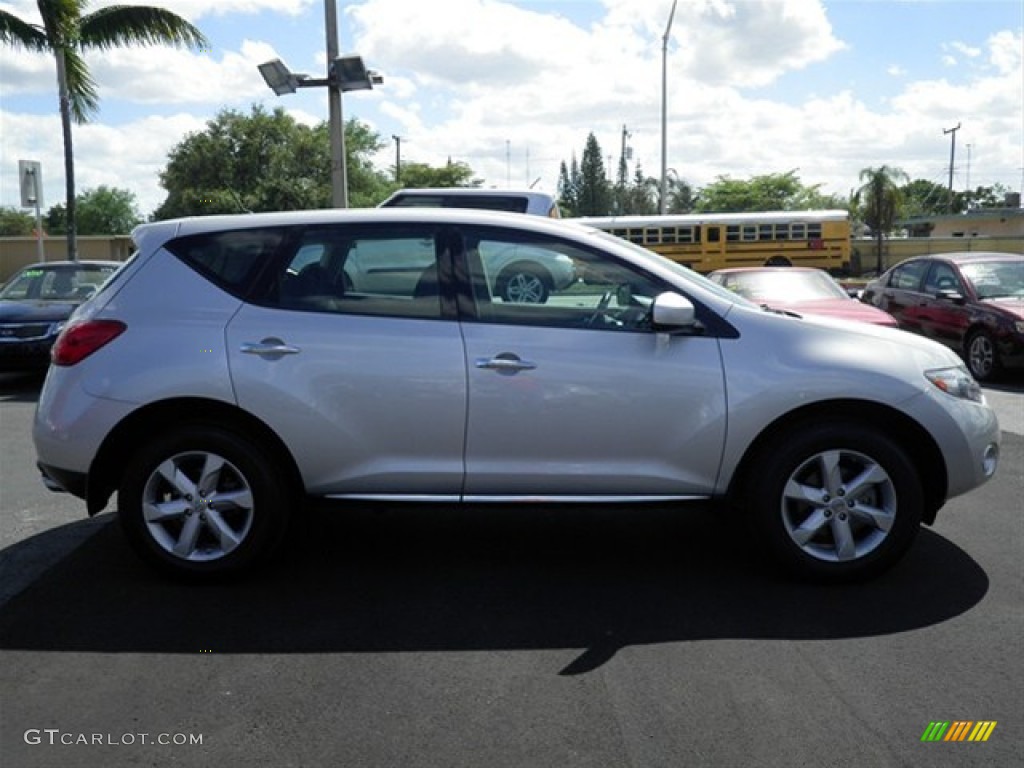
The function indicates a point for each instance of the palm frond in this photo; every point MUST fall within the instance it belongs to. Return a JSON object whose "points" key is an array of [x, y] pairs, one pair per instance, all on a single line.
{"points": [[120, 25], [81, 87], [21, 34]]}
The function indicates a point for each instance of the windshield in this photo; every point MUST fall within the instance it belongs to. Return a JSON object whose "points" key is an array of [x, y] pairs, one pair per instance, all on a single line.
{"points": [[995, 279], [64, 282], [780, 284]]}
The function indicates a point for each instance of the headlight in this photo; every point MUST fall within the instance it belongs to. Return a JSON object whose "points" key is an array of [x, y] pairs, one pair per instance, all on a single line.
{"points": [[1019, 326], [956, 382]]}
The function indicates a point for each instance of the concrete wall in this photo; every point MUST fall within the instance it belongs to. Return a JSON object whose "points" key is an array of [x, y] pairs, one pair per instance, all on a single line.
{"points": [[17, 252], [896, 250]]}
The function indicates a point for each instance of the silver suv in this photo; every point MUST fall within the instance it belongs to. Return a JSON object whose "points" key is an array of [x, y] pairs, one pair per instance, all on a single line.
{"points": [[224, 374]]}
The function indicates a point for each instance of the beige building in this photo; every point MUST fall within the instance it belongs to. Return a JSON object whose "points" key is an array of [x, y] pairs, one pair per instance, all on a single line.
{"points": [[981, 222], [17, 252]]}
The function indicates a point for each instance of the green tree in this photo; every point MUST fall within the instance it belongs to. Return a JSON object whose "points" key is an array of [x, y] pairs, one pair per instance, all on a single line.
{"points": [[595, 194], [769, 192], [421, 175], [981, 197], [15, 223], [681, 196], [923, 198], [878, 203], [569, 187], [266, 161], [101, 211], [67, 31]]}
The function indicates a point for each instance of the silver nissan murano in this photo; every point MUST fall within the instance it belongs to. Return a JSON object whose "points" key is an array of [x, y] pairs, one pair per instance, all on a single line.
{"points": [[237, 365]]}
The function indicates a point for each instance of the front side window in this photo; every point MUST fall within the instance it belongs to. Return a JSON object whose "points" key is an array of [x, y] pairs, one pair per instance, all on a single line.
{"points": [[942, 277], [539, 281]]}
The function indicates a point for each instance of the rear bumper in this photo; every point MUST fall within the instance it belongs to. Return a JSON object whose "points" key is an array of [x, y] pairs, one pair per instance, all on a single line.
{"points": [[64, 480]]}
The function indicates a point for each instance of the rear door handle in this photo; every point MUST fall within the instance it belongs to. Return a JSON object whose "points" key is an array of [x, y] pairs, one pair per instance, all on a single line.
{"points": [[506, 362], [270, 348]]}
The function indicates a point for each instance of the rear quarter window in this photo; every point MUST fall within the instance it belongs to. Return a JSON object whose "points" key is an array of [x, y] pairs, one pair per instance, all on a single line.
{"points": [[232, 260]]}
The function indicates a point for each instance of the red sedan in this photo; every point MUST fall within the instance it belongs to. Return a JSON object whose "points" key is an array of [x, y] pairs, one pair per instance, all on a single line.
{"points": [[971, 302], [803, 290]]}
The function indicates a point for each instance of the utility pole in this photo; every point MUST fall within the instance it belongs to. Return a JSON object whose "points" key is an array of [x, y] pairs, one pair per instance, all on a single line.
{"points": [[664, 110], [398, 158], [624, 157], [952, 157], [335, 119], [967, 185]]}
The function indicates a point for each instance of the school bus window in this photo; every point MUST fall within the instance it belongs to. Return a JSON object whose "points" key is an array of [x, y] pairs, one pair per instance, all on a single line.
{"points": [[767, 232], [749, 233]]}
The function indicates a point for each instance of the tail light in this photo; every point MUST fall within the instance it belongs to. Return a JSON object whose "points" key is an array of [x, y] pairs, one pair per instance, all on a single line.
{"points": [[79, 340]]}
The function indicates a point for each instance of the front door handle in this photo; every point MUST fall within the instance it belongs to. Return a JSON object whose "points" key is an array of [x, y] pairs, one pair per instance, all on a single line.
{"points": [[506, 362], [270, 348]]}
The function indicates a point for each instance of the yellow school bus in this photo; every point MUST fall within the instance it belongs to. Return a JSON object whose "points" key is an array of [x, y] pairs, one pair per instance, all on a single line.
{"points": [[709, 241]]}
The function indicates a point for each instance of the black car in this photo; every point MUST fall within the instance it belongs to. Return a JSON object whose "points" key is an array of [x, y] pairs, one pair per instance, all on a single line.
{"points": [[37, 301], [971, 302]]}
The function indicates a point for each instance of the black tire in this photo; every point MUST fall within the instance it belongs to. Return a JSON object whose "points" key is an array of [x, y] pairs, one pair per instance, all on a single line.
{"points": [[524, 284], [226, 528], [982, 356], [811, 518]]}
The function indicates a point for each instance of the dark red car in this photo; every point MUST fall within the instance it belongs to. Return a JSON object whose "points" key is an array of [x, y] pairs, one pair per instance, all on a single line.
{"points": [[971, 302]]}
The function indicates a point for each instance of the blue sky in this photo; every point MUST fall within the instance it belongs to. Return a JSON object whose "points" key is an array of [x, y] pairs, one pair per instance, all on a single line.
{"points": [[513, 88]]}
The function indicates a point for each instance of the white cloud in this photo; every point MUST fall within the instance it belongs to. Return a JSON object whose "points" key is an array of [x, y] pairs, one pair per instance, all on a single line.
{"points": [[514, 89], [128, 156], [28, 10], [171, 76]]}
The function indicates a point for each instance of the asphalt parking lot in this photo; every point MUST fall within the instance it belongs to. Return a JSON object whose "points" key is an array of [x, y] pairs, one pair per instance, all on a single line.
{"points": [[538, 637]]}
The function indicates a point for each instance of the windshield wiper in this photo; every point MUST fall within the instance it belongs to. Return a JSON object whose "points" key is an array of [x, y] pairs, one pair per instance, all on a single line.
{"points": [[786, 312]]}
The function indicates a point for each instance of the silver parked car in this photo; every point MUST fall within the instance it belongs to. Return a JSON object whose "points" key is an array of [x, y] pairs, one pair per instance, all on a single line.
{"points": [[217, 379]]}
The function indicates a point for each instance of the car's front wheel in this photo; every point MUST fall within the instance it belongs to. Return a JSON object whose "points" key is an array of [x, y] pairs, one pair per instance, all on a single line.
{"points": [[836, 502], [982, 358], [202, 501]]}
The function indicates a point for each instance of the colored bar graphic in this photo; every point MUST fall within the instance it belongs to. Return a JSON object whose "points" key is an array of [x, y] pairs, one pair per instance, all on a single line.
{"points": [[958, 730], [982, 730]]}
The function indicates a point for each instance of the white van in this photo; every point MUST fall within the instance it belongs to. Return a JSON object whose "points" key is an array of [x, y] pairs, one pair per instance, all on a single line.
{"points": [[513, 200]]}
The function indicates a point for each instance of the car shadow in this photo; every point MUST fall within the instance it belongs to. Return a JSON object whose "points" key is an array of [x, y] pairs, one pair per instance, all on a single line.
{"points": [[373, 578], [21, 387]]}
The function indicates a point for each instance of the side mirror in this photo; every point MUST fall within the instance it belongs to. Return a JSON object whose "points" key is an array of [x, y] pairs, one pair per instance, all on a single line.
{"points": [[948, 294], [672, 312]]}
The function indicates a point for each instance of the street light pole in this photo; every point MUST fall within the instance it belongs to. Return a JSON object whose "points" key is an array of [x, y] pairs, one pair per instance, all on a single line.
{"points": [[398, 157], [664, 109], [952, 157], [335, 121]]}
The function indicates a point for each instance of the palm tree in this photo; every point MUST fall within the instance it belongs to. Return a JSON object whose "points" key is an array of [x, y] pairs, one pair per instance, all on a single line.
{"points": [[66, 32], [879, 199]]}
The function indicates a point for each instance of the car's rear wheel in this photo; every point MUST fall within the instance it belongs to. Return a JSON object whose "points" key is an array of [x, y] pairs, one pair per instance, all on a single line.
{"points": [[202, 501], [982, 358], [523, 284], [836, 502]]}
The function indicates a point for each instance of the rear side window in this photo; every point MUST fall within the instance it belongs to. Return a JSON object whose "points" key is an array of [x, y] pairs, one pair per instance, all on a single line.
{"points": [[232, 260], [907, 277]]}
